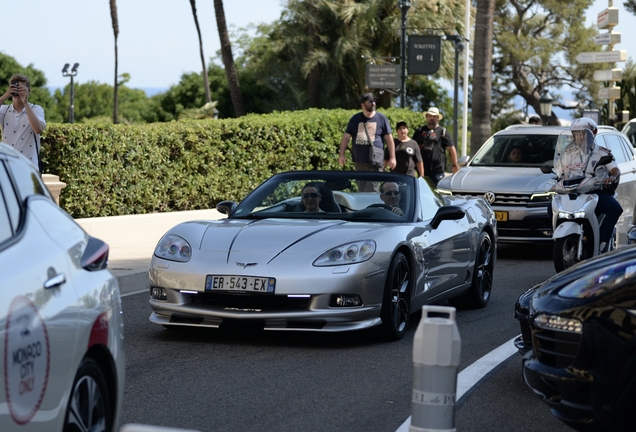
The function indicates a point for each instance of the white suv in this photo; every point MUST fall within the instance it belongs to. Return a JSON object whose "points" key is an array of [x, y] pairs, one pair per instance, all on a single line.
{"points": [[520, 194]]}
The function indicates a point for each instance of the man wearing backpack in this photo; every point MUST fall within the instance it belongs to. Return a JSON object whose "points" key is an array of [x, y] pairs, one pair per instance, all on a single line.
{"points": [[22, 122], [434, 141]]}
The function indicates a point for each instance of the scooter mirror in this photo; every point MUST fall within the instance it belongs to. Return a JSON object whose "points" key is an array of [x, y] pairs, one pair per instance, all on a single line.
{"points": [[604, 160], [546, 169]]}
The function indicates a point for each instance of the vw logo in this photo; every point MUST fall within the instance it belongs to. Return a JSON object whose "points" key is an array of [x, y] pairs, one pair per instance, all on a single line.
{"points": [[490, 197]]}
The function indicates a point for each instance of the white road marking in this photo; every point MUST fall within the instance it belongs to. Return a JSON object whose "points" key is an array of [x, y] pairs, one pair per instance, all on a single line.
{"points": [[474, 373], [133, 293]]}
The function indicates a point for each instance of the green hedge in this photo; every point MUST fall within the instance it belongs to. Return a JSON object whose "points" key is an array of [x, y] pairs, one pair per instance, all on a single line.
{"points": [[132, 169]]}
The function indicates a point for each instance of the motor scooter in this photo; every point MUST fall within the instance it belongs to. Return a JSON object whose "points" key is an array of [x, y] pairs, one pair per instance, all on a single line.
{"points": [[574, 220]]}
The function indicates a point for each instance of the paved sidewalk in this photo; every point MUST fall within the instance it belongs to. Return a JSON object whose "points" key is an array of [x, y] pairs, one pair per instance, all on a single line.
{"points": [[132, 240]]}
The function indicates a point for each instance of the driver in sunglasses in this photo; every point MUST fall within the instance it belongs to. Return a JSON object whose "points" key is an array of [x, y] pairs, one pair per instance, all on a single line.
{"points": [[390, 195], [311, 198]]}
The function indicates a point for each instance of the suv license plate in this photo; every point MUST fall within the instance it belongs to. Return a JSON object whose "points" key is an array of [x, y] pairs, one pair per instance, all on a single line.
{"points": [[501, 216]]}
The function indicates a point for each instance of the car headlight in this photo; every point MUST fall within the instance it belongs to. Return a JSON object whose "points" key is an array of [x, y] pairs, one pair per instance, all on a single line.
{"points": [[349, 253], [555, 322], [174, 248]]}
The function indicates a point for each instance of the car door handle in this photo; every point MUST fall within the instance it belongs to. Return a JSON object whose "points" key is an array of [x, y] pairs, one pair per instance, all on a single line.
{"points": [[55, 281]]}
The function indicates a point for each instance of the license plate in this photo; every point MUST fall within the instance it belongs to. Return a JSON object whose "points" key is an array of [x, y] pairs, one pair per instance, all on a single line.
{"points": [[501, 216], [240, 283]]}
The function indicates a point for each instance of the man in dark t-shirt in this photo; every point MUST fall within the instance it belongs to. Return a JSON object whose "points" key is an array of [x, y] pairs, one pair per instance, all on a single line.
{"points": [[434, 140], [407, 153], [367, 128]]}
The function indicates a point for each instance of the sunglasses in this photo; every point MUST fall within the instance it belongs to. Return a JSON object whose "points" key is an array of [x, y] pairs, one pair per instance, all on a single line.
{"points": [[311, 195], [391, 193]]}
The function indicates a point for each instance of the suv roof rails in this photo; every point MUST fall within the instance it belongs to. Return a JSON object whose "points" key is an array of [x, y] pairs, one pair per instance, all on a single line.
{"points": [[606, 127]]}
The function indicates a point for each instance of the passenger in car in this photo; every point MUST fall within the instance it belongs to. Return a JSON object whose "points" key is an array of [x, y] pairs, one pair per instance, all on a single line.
{"points": [[515, 155], [390, 195]]}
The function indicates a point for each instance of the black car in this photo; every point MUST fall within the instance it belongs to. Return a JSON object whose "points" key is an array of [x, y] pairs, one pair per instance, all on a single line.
{"points": [[578, 341]]}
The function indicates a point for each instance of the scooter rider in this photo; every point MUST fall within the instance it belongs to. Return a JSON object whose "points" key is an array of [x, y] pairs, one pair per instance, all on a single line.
{"points": [[579, 159]]}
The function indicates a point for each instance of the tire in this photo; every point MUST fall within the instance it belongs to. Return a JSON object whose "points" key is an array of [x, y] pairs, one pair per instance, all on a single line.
{"points": [[396, 304], [478, 295], [565, 252], [89, 407]]}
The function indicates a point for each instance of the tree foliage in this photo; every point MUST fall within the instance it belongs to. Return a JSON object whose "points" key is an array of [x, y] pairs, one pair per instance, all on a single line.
{"points": [[316, 53], [536, 44], [39, 93]]}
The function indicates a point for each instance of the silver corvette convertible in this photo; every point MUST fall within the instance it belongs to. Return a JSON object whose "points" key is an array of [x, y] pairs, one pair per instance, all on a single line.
{"points": [[308, 251]]}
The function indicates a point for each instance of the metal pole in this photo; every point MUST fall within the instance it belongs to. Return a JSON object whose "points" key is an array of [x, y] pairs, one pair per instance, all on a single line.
{"points": [[466, 62], [456, 95], [71, 117], [404, 7]]}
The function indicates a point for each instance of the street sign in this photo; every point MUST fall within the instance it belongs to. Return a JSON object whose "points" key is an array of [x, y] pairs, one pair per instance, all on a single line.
{"points": [[609, 93], [383, 76], [609, 17], [425, 54], [608, 75], [607, 38], [602, 57]]}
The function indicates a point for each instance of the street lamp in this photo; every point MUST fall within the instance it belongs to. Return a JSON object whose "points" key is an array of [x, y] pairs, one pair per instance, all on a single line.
{"points": [[459, 47], [404, 6], [72, 73], [545, 106]]}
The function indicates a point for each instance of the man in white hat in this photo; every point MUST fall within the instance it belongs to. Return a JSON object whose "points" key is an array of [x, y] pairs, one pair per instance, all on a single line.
{"points": [[434, 140]]}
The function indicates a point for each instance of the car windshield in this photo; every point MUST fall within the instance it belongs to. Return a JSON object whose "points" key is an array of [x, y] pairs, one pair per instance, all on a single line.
{"points": [[332, 195], [517, 150]]}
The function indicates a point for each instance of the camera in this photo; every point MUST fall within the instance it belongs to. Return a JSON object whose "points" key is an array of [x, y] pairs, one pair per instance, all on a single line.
{"points": [[15, 85]]}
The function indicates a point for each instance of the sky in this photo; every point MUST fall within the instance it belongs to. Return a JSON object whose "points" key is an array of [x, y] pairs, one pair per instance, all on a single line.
{"points": [[157, 40]]}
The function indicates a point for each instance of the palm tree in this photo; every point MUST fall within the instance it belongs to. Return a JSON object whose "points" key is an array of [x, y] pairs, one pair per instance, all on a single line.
{"points": [[206, 84], [228, 60], [335, 39], [113, 17], [482, 74]]}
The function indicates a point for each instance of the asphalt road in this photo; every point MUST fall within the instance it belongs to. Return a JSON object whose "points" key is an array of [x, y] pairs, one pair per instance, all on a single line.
{"points": [[242, 379]]}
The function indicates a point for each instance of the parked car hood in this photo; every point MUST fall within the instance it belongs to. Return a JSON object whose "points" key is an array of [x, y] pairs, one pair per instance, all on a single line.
{"points": [[498, 179]]}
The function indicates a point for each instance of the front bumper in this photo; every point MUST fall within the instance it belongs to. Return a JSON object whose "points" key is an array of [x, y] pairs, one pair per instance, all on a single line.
{"points": [[568, 396]]}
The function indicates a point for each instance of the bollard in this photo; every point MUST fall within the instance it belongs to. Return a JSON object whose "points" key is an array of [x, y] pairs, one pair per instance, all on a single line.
{"points": [[436, 351]]}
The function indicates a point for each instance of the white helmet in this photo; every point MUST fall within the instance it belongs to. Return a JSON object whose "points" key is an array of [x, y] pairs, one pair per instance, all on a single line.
{"points": [[584, 123]]}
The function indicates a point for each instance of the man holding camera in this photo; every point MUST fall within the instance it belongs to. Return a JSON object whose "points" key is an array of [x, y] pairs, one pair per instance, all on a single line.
{"points": [[434, 140], [22, 122]]}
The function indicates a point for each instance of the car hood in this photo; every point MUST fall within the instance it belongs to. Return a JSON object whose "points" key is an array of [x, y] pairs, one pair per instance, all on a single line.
{"points": [[544, 297], [270, 237], [498, 179]]}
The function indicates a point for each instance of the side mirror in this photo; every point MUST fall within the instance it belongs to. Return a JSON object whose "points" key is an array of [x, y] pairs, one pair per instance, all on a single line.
{"points": [[226, 207], [462, 161], [447, 213]]}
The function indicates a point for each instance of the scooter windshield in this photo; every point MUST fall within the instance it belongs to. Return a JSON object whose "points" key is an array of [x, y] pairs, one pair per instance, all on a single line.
{"points": [[572, 153]]}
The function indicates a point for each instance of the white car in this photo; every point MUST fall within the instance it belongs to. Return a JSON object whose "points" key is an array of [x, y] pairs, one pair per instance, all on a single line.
{"points": [[61, 328]]}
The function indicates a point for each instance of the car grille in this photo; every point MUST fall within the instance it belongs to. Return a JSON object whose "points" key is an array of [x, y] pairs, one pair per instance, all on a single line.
{"points": [[540, 227], [555, 347], [511, 199], [260, 302]]}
